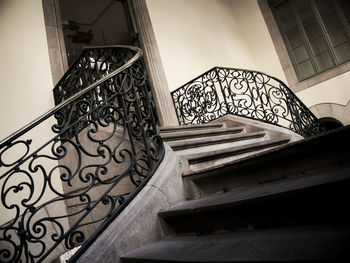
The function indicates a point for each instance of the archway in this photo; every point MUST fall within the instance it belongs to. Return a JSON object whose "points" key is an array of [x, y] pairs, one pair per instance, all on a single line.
{"points": [[330, 123], [95, 23]]}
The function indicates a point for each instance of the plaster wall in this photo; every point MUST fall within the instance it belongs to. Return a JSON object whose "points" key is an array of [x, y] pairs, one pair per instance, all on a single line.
{"points": [[335, 90], [25, 94], [330, 98], [195, 35], [26, 82]]}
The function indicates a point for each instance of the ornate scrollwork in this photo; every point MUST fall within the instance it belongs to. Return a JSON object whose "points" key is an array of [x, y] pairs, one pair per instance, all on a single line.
{"points": [[105, 145], [92, 65], [198, 102], [245, 93]]}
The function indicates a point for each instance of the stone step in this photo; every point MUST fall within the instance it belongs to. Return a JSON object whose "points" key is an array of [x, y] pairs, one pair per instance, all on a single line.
{"points": [[221, 146], [206, 140], [190, 134], [196, 127], [318, 197], [204, 160], [293, 159], [304, 243]]}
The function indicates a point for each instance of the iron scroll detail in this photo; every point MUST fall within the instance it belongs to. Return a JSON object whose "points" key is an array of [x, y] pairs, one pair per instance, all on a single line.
{"points": [[102, 145], [245, 93]]}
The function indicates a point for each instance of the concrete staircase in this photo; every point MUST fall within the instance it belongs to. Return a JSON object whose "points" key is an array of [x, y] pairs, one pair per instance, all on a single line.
{"points": [[255, 198], [229, 138]]}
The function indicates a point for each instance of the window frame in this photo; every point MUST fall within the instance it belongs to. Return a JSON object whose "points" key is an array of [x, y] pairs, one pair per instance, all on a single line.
{"points": [[292, 78]]}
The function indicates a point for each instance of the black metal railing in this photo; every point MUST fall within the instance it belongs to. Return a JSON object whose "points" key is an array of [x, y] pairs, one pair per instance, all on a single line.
{"points": [[93, 64], [245, 93], [69, 173]]}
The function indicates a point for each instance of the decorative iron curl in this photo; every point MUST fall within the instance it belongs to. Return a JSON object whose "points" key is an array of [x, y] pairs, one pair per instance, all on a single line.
{"points": [[105, 146], [245, 93]]}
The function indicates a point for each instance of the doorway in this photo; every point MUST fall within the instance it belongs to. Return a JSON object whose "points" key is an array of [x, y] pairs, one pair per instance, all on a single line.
{"points": [[96, 23]]}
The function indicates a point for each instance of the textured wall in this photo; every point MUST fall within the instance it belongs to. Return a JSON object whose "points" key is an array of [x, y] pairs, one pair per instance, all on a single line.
{"points": [[26, 81], [25, 89], [195, 35]]}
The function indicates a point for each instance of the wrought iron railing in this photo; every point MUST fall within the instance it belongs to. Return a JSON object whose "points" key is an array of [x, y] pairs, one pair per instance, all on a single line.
{"points": [[65, 176], [93, 64], [245, 93]]}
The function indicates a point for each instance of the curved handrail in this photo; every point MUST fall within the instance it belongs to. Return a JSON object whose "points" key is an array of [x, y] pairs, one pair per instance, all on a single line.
{"points": [[63, 104], [103, 147], [247, 93]]}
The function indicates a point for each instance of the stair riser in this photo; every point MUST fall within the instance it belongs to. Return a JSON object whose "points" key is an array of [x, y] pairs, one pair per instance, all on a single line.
{"points": [[272, 167], [176, 136], [207, 141], [321, 204], [215, 147], [305, 243], [220, 159], [289, 204], [173, 129]]}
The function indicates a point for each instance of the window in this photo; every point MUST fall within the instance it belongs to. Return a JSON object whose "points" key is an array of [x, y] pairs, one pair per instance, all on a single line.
{"points": [[316, 33]]}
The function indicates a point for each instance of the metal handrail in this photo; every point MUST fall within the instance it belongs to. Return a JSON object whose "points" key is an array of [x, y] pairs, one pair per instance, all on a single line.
{"points": [[63, 104], [104, 146], [214, 94]]}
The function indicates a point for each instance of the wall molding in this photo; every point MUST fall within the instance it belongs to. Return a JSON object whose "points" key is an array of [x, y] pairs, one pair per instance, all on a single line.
{"points": [[160, 90], [55, 39]]}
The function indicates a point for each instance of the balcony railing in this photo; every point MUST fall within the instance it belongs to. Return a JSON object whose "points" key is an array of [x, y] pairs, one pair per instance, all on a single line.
{"points": [[245, 93], [65, 176]]}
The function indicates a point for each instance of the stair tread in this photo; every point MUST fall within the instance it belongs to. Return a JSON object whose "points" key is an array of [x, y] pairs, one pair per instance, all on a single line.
{"points": [[335, 137], [311, 180], [203, 141], [176, 128], [328, 241], [196, 157], [180, 135], [230, 199]]}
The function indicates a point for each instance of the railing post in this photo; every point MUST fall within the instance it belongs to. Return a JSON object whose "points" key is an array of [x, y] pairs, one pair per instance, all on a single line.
{"points": [[222, 90], [260, 97]]}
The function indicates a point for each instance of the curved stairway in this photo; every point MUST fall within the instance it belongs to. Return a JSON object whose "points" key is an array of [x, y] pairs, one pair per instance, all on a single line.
{"points": [[68, 174], [227, 139], [104, 148], [285, 204]]}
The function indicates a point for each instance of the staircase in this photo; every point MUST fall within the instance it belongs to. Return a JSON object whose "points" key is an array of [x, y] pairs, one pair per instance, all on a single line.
{"points": [[275, 202], [227, 139], [241, 188]]}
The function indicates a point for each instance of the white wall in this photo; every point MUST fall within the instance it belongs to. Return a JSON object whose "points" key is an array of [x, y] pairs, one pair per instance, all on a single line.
{"points": [[195, 35], [25, 93], [25, 76], [256, 37], [335, 90]]}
